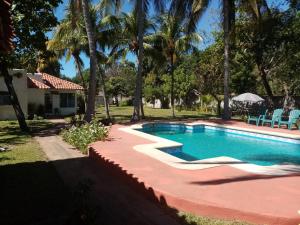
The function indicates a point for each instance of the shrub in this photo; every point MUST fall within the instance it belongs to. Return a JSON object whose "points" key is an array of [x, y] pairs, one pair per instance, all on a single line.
{"points": [[128, 102], [81, 136]]}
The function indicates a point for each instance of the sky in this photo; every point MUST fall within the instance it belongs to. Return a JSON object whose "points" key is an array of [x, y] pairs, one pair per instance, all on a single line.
{"points": [[208, 23]]}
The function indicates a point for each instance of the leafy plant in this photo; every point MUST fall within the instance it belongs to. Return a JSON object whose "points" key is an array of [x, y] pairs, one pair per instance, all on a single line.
{"points": [[81, 136]]}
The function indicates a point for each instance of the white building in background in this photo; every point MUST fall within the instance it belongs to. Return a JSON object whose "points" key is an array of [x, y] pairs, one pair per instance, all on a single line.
{"points": [[39, 92]]}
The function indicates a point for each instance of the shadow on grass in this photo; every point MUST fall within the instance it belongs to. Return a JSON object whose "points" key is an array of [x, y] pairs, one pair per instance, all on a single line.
{"points": [[10, 133], [13, 140], [5, 158], [50, 132], [34, 193]]}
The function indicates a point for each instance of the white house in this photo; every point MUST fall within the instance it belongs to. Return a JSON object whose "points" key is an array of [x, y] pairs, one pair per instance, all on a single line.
{"points": [[39, 92]]}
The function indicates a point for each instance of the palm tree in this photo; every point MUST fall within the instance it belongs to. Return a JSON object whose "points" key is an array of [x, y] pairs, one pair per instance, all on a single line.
{"points": [[90, 31], [108, 29], [127, 40], [138, 88], [69, 40], [193, 10], [83, 6], [48, 62], [142, 10], [173, 40], [261, 31], [228, 20]]}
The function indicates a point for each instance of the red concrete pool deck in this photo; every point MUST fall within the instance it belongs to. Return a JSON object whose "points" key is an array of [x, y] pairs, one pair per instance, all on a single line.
{"points": [[221, 192]]}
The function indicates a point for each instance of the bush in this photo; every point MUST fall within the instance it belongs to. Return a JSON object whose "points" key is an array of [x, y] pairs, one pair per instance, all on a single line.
{"points": [[128, 102], [81, 136]]}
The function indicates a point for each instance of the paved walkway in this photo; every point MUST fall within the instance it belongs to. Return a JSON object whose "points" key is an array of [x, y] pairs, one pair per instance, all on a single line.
{"points": [[118, 204], [222, 191]]}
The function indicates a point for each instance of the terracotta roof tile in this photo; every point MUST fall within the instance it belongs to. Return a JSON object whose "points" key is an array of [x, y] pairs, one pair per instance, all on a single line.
{"points": [[33, 83], [57, 83], [47, 81]]}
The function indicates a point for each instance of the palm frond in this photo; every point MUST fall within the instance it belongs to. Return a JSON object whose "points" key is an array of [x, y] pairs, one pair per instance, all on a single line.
{"points": [[191, 10]]}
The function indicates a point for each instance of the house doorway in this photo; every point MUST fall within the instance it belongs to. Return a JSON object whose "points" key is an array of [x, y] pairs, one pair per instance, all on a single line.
{"points": [[48, 103]]}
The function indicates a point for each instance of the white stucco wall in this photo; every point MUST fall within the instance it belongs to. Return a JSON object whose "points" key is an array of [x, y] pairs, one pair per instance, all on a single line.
{"points": [[20, 85], [36, 96]]}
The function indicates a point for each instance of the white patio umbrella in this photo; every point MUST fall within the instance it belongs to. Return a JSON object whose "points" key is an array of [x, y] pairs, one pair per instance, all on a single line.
{"points": [[248, 97]]}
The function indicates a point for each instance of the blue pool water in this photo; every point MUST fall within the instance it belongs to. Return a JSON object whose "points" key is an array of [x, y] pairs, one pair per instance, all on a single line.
{"points": [[206, 142]]}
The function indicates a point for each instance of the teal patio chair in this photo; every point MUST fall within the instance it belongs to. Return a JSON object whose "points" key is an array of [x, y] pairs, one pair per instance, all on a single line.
{"points": [[293, 117], [277, 114], [257, 118]]}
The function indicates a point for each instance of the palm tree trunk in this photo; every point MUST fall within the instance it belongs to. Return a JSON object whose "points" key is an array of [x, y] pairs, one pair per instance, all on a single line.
{"points": [[83, 83], [172, 87], [266, 84], [138, 87], [226, 27], [218, 104], [289, 102], [90, 110], [105, 101], [14, 98], [142, 109]]}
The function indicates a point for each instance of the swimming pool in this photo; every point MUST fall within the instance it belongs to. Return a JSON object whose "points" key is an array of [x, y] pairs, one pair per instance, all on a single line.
{"points": [[204, 142]]}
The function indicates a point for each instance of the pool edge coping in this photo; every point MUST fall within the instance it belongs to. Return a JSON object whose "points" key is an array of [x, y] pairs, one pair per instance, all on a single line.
{"points": [[152, 150]]}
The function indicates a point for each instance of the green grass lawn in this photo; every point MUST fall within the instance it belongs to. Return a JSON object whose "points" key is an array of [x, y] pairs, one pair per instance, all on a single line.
{"points": [[23, 147], [122, 114], [31, 190], [199, 220]]}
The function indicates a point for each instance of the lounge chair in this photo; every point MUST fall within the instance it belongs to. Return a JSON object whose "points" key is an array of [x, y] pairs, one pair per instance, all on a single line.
{"points": [[275, 117], [257, 118], [293, 117]]}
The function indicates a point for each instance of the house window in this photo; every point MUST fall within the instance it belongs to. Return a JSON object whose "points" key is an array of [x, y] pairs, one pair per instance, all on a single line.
{"points": [[67, 100], [4, 98]]}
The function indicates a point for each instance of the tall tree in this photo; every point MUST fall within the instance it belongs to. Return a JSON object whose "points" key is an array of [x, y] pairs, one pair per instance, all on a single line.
{"points": [[128, 41], [193, 10], [29, 40], [32, 20], [13, 96], [108, 29], [228, 23], [6, 47], [138, 89], [90, 31], [209, 72], [173, 40], [261, 28], [142, 10], [90, 27], [69, 40], [48, 62]]}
